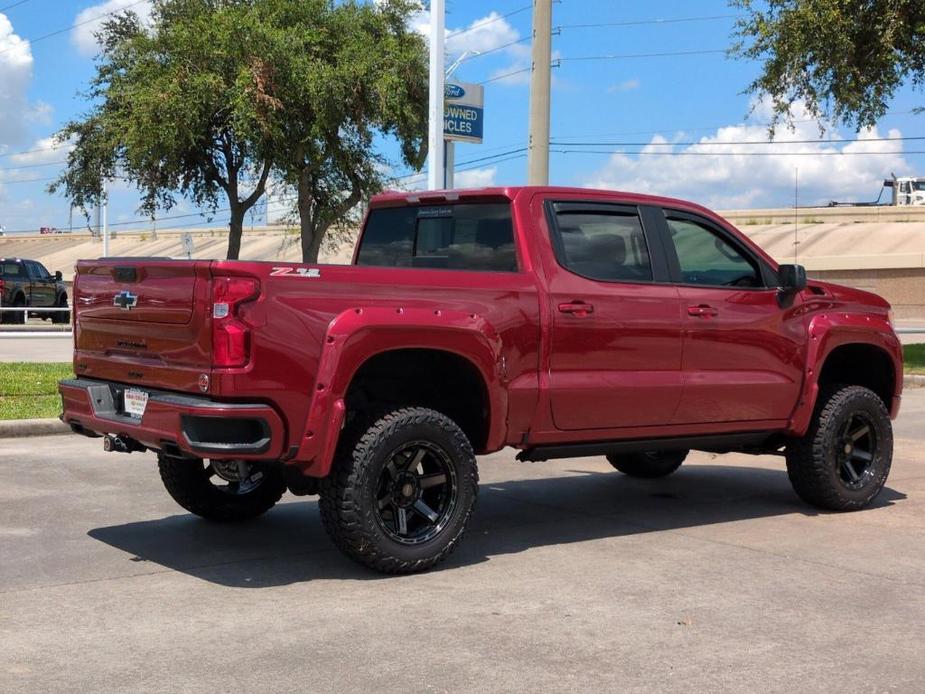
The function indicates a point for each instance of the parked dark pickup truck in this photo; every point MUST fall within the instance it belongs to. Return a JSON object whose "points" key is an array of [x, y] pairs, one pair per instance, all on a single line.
{"points": [[27, 284], [558, 321]]}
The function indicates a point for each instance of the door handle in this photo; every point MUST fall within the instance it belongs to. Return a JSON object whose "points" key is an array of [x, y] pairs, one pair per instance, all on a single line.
{"points": [[702, 311], [576, 308]]}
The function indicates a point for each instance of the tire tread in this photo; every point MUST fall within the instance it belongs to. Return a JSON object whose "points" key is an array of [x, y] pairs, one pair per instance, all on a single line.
{"points": [[342, 513], [807, 465]]}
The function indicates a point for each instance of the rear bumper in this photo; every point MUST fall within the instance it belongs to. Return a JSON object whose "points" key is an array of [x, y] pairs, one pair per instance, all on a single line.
{"points": [[175, 423]]}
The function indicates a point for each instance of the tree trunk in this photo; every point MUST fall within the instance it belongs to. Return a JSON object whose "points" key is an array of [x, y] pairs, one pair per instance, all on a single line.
{"points": [[235, 228], [311, 235]]}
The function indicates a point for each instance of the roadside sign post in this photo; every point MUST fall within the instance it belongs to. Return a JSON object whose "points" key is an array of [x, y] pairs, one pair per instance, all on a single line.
{"points": [[187, 239], [463, 120]]}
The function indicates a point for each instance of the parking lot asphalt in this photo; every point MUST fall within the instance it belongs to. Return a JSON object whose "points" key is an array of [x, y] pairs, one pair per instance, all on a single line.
{"points": [[572, 577]]}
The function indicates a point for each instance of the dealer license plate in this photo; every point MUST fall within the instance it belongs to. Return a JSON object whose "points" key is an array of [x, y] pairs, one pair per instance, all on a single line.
{"points": [[135, 402]]}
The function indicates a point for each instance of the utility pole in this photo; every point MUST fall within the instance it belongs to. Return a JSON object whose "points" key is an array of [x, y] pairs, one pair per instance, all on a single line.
{"points": [[538, 149], [436, 174]]}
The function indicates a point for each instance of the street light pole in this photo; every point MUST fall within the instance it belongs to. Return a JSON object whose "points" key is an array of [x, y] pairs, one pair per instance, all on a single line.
{"points": [[538, 148], [105, 203], [436, 176]]}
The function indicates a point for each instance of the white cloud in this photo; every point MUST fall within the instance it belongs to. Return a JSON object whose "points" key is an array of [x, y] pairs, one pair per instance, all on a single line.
{"points": [[15, 77], [625, 86], [42, 151], [489, 33], [87, 23], [723, 176], [476, 178]]}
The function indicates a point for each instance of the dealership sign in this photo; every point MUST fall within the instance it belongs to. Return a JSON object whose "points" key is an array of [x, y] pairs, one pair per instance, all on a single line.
{"points": [[464, 112]]}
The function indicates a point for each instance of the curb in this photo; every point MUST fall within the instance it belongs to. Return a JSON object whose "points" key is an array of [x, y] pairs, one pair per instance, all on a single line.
{"points": [[18, 428], [914, 381]]}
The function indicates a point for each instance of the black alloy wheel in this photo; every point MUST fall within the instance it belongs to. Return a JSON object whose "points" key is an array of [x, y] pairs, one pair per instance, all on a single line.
{"points": [[856, 450], [416, 494], [222, 490]]}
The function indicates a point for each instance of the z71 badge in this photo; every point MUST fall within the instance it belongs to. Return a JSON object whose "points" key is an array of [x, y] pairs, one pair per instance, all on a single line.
{"points": [[297, 271]]}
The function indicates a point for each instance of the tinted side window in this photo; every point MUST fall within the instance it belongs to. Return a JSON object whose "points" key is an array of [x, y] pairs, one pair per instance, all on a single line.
{"points": [[454, 237], [40, 271], [11, 270], [603, 246], [708, 259]]}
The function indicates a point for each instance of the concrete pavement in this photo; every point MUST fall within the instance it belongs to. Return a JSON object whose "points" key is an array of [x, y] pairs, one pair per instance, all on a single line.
{"points": [[572, 578], [36, 349]]}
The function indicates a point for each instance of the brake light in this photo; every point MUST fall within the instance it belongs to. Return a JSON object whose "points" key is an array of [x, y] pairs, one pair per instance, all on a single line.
{"points": [[230, 335]]}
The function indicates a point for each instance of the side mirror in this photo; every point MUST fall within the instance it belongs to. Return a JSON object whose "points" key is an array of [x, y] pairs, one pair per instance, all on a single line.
{"points": [[58, 276], [791, 278]]}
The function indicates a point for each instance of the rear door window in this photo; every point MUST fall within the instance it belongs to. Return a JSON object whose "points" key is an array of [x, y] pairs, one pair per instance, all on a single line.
{"points": [[603, 245], [476, 236], [33, 268]]}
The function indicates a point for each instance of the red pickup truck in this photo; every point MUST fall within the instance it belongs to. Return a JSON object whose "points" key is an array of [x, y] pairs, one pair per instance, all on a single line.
{"points": [[559, 321]]}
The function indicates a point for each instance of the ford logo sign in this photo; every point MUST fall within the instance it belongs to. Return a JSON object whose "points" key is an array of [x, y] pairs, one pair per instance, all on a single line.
{"points": [[454, 91]]}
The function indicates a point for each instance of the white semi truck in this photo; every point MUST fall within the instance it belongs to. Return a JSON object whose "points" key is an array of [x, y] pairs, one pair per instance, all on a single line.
{"points": [[907, 190]]}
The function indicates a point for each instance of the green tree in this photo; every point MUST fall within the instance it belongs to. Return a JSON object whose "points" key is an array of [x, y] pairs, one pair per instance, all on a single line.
{"points": [[348, 75], [844, 59], [178, 108]]}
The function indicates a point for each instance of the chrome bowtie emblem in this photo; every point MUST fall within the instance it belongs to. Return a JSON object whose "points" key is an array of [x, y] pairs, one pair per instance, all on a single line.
{"points": [[125, 300]]}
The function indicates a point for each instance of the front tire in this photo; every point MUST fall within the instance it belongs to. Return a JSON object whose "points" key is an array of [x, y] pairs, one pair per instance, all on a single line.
{"points": [[401, 491], [843, 461], [222, 490], [647, 465]]}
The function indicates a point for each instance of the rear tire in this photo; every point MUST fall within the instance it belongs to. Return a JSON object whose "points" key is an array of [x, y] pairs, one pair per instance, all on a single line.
{"points": [[198, 486], [843, 461], [648, 465], [401, 491], [18, 317], [61, 317]]}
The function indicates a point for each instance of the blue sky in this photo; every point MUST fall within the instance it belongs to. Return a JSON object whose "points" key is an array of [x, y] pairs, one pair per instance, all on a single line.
{"points": [[628, 104]]}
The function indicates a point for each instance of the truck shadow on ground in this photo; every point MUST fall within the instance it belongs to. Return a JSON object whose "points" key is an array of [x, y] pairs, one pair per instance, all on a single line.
{"points": [[288, 544]]}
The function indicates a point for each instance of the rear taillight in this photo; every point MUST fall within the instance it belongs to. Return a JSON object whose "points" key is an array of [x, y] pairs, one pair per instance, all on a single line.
{"points": [[230, 335]]}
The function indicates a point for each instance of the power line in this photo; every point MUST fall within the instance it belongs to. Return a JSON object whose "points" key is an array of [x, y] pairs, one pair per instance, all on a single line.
{"points": [[505, 75], [33, 166], [657, 131], [6, 182], [15, 4], [641, 22], [740, 142], [32, 151], [734, 154], [482, 54], [74, 26], [479, 25], [627, 56]]}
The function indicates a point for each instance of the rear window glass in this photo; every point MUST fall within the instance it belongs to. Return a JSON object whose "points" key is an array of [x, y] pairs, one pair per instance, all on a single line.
{"points": [[452, 237], [11, 270]]}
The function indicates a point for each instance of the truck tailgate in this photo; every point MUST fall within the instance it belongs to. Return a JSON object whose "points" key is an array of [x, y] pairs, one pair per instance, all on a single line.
{"points": [[143, 321]]}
